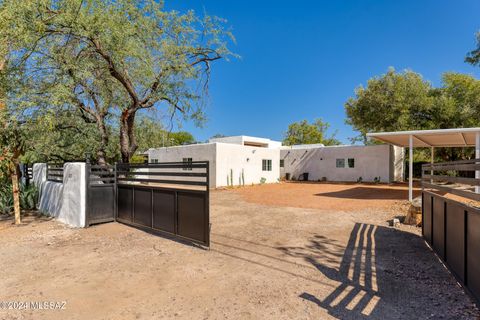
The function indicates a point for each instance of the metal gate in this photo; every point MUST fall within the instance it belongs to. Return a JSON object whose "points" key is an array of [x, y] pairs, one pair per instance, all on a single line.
{"points": [[100, 194], [170, 198], [451, 227]]}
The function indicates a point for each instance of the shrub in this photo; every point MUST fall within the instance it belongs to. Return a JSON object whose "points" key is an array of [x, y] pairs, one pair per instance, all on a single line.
{"points": [[28, 197], [359, 180], [263, 180]]}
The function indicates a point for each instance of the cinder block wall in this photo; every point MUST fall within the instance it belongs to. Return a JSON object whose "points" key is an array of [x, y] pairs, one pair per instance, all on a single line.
{"points": [[66, 201]]}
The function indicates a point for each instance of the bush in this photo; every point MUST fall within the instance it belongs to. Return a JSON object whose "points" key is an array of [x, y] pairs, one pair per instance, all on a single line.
{"points": [[6, 198], [28, 197]]}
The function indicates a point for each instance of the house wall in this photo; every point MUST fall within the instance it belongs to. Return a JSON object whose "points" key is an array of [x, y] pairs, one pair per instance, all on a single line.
{"points": [[232, 160], [65, 201], [198, 152], [225, 159], [370, 162]]}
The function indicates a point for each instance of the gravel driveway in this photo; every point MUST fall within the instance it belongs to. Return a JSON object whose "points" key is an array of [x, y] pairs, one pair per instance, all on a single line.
{"points": [[267, 261]]}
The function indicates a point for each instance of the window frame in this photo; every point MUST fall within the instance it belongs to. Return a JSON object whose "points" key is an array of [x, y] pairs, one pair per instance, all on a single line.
{"points": [[188, 161], [266, 164]]}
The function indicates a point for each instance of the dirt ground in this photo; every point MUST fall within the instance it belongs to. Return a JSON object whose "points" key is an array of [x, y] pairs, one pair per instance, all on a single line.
{"points": [[319, 257]]}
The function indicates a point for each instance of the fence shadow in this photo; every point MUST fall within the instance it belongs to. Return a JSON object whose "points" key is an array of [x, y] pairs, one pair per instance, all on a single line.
{"points": [[364, 290]]}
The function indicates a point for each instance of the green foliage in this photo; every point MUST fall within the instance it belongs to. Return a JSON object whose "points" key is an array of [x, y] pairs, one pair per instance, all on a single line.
{"points": [[28, 197], [263, 180], [391, 102], [405, 101], [151, 133], [110, 59], [473, 57], [305, 133]]}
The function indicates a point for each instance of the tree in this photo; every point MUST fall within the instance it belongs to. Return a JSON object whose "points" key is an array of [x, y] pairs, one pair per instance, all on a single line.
{"points": [[153, 56], [305, 133], [124, 54], [473, 57], [152, 134], [218, 135], [391, 102]]}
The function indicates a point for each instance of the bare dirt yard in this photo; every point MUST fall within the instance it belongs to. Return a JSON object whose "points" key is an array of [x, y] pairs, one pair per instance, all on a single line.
{"points": [[284, 251]]}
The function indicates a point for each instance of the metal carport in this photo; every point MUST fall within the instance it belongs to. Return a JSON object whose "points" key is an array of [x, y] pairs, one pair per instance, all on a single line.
{"points": [[458, 137]]}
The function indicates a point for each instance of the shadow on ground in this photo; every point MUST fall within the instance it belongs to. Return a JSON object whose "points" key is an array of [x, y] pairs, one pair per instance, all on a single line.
{"points": [[382, 273], [371, 193]]}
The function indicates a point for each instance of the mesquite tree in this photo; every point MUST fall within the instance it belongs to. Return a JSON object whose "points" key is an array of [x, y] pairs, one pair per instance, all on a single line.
{"points": [[120, 55]]}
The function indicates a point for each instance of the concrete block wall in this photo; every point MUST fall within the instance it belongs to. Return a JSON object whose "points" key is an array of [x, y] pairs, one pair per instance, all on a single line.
{"points": [[66, 201]]}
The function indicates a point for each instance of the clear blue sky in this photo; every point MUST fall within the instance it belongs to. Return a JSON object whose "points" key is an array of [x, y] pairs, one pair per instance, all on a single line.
{"points": [[303, 59]]}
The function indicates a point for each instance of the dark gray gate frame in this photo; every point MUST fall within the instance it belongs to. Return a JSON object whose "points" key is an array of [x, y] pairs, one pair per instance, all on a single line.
{"points": [[89, 189], [175, 235]]}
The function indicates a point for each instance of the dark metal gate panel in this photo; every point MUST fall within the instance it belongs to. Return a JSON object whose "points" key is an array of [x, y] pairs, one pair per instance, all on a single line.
{"points": [[171, 198], [473, 252], [192, 225], [455, 233], [438, 233], [125, 203], [100, 194], [427, 217], [164, 210]]}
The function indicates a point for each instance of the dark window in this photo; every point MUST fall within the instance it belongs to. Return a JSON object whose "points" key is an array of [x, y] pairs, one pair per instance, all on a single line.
{"points": [[351, 162], [340, 163], [282, 163], [266, 165], [188, 162]]}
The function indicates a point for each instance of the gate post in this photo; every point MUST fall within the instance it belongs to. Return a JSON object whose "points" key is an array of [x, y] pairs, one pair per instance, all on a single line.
{"points": [[87, 193], [115, 193]]}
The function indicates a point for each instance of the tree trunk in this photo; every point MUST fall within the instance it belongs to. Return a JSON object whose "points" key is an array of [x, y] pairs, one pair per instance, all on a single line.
{"points": [[101, 154], [16, 192], [128, 144]]}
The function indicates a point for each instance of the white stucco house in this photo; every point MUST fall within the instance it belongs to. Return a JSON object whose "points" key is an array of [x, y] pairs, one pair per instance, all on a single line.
{"points": [[244, 160]]}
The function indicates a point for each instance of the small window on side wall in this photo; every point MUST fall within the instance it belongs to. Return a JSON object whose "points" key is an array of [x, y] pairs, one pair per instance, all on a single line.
{"points": [[340, 163], [282, 163], [266, 165], [351, 162]]}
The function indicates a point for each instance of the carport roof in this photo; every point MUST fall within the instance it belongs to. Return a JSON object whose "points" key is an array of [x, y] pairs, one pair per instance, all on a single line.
{"points": [[458, 137]]}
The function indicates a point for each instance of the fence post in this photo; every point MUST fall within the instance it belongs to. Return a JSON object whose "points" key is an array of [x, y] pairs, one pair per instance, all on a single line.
{"points": [[87, 196]]}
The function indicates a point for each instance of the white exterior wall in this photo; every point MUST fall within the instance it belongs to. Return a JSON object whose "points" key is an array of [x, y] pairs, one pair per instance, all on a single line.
{"points": [[241, 140], [65, 201], [223, 158], [233, 159], [370, 162], [198, 152]]}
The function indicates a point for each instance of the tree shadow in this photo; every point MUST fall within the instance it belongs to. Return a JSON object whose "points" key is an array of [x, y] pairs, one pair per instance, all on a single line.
{"points": [[370, 193]]}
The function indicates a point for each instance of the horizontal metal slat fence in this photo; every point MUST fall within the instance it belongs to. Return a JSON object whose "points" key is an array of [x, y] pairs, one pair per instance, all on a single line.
{"points": [[55, 172], [170, 198]]}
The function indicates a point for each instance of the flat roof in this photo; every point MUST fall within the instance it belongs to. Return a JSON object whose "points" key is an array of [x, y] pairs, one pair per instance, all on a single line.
{"points": [[458, 137]]}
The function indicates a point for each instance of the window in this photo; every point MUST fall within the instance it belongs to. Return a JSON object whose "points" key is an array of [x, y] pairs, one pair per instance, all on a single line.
{"points": [[351, 162], [153, 160], [188, 162], [266, 165], [340, 163], [282, 163]]}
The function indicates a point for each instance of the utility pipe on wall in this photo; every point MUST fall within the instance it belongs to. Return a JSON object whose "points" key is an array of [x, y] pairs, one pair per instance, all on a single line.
{"points": [[477, 156], [410, 168]]}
